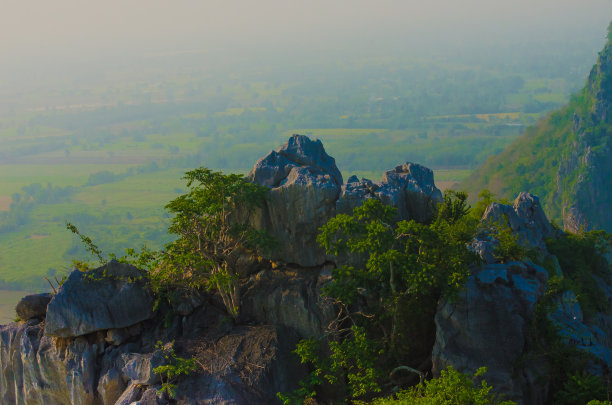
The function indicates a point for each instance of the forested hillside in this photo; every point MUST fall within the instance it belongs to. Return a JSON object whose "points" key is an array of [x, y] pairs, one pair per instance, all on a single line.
{"points": [[565, 159]]}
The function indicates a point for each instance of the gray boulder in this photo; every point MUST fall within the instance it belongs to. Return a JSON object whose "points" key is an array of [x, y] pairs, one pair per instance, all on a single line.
{"points": [[487, 326], [110, 297], [33, 306], [306, 152]]}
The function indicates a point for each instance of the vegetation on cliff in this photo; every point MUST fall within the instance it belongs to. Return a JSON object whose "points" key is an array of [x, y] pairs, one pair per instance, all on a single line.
{"points": [[557, 158]]}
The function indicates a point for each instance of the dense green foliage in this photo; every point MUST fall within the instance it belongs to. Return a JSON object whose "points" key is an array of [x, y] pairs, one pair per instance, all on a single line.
{"points": [[386, 296], [451, 388], [213, 234], [581, 257], [212, 225]]}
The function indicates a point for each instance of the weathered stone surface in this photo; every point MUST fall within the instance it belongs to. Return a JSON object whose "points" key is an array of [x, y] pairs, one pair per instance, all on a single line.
{"points": [[487, 326], [291, 298], [525, 218], [109, 297], [305, 184], [111, 387], [34, 371], [33, 306], [410, 188], [354, 193], [132, 394], [306, 191], [310, 153], [270, 170], [138, 368], [151, 397]]}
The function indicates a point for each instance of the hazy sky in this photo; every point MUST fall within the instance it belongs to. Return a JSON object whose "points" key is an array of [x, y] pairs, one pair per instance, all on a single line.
{"points": [[41, 37], [60, 26]]}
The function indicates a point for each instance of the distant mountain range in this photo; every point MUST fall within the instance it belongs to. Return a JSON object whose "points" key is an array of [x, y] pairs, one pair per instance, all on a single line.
{"points": [[566, 159]]}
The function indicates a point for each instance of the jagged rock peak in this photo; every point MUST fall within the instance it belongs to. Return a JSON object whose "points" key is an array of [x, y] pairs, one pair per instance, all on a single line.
{"points": [[417, 177], [299, 151], [525, 218]]}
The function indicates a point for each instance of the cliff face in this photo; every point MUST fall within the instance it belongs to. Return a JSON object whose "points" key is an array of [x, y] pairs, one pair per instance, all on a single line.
{"points": [[583, 181], [565, 159]]}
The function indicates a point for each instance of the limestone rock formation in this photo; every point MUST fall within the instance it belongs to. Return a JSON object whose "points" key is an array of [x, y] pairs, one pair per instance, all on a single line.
{"points": [[410, 188], [109, 297], [304, 186], [306, 191], [33, 370], [525, 218], [238, 364], [354, 193]]}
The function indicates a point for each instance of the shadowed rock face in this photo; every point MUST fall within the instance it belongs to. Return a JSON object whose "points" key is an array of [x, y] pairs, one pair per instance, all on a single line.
{"points": [[109, 297], [488, 325]]}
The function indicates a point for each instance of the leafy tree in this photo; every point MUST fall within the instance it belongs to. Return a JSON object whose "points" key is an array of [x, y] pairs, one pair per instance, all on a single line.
{"points": [[212, 224], [173, 368], [387, 293], [452, 388]]}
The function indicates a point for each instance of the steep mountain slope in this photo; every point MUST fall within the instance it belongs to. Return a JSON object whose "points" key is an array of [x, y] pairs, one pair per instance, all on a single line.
{"points": [[566, 159]]}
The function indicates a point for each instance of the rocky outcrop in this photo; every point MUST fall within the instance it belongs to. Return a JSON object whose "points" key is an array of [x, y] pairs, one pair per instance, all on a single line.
{"points": [[306, 191], [410, 188], [490, 323], [526, 220], [34, 370], [110, 297], [304, 186], [487, 326], [114, 362]]}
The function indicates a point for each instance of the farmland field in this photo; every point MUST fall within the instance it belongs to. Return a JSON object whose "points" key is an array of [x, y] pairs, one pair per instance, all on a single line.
{"points": [[8, 300], [108, 154]]}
